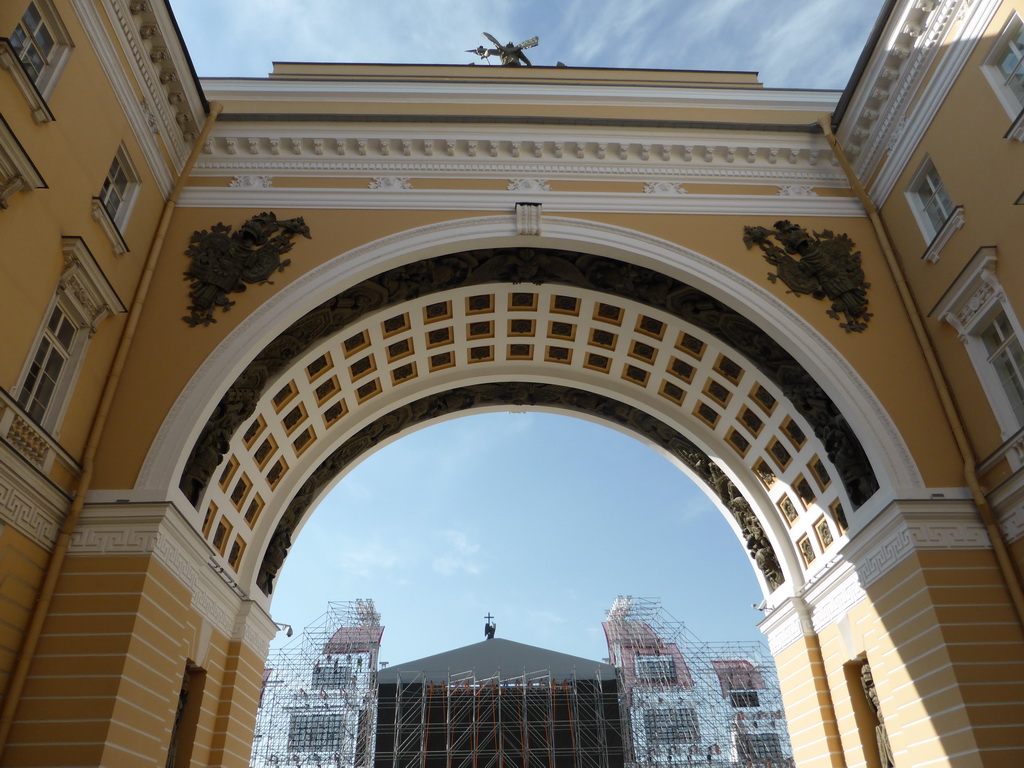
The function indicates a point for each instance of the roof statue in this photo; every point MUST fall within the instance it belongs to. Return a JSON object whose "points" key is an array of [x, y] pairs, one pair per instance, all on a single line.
{"points": [[511, 55], [489, 627]]}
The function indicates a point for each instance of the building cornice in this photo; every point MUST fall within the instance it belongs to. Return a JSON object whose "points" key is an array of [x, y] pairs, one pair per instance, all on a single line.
{"points": [[905, 83], [505, 200], [536, 95]]}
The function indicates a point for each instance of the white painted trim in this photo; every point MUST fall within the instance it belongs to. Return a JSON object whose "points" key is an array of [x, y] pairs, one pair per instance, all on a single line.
{"points": [[957, 51], [29, 502], [953, 222], [882, 441], [125, 94], [159, 530], [909, 526], [489, 91], [316, 198]]}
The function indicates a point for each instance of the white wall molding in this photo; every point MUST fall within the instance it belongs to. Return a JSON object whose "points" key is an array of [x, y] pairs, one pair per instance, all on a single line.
{"points": [[113, 67], [315, 198], [160, 531], [927, 98], [906, 527], [786, 625], [29, 503]]}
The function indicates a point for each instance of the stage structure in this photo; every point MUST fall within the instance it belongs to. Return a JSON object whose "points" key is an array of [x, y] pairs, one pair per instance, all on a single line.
{"points": [[499, 703], [690, 702], [318, 702]]}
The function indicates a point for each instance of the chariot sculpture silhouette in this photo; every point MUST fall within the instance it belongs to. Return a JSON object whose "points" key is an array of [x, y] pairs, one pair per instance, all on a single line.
{"points": [[511, 55]]}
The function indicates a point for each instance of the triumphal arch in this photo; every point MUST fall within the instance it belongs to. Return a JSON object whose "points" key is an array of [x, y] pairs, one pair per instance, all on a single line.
{"points": [[220, 295]]}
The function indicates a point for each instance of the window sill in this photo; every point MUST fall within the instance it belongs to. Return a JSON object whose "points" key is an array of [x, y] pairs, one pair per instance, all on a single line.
{"points": [[953, 222], [99, 213], [17, 171], [1016, 131], [9, 60]]}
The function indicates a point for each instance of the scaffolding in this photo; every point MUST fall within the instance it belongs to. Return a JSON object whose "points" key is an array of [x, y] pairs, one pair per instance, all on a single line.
{"points": [[693, 703], [525, 721], [318, 702]]}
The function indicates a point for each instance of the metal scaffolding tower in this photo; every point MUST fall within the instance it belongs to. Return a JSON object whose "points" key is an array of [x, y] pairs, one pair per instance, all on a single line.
{"points": [[318, 704], [690, 702]]}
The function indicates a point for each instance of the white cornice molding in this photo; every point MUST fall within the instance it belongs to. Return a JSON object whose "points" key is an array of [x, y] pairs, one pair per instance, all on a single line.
{"points": [[302, 148], [909, 526], [159, 530], [786, 624], [318, 198], [909, 113], [28, 502], [618, 95], [975, 289], [84, 280], [114, 69]]}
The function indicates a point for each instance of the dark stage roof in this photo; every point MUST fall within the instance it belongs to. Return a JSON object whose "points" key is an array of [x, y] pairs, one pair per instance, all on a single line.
{"points": [[497, 657]]}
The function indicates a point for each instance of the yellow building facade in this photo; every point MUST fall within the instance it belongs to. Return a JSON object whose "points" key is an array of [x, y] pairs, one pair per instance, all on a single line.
{"points": [[806, 300]]}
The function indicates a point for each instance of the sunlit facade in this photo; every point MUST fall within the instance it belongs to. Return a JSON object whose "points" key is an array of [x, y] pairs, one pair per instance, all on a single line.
{"points": [[807, 300]]}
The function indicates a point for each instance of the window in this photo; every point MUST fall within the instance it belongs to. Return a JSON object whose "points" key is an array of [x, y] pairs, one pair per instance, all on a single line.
{"points": [[938, 218], [758, 746], [930, 200], [33, 43], [1007, 360], [48, 365], [115, 188], [1004, 67], [743, 699], [977, 307], [666, 726], [655, 670], [82, 300], [41, 44], [112, 207]]}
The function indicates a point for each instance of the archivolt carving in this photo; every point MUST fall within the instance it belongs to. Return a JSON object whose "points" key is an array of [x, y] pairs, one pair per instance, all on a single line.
{"points": [[520, 394], [538, 266]]}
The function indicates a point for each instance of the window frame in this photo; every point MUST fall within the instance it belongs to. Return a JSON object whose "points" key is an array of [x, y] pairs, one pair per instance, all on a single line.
{"points": [[114, 223], [85, 297], [61, 47], [57, 403], [974, 301], [1012, 31], [920, 202]]}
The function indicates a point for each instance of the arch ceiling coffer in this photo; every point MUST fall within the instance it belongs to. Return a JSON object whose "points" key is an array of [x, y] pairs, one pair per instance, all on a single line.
{"points": [[474, 309]]}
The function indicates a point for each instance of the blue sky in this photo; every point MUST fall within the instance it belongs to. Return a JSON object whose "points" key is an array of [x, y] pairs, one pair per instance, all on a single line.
{"points": [[539, 519], [792, 43]]}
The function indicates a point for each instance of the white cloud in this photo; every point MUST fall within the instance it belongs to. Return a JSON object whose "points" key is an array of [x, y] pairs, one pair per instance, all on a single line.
{"points": [[458, 556]]}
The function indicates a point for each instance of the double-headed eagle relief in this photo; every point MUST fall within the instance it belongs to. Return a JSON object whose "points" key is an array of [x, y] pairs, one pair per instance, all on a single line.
{"points": [[822, 264], [224, 261], [510, 55]]}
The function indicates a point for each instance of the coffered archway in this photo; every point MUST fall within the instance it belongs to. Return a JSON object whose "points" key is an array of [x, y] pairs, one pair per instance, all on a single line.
{"points": [[655, 340]]}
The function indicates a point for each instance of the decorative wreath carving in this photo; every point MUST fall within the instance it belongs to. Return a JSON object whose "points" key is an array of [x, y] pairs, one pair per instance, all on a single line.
{"points": [[822, 264], [224, 261]]}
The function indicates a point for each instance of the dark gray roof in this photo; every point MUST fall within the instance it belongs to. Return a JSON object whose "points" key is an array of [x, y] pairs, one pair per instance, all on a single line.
{"points": [[497, 657]]}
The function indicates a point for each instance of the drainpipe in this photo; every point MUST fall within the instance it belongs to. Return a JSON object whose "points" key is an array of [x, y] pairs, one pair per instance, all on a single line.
{"points": [[1011, 575], [60, 549]]}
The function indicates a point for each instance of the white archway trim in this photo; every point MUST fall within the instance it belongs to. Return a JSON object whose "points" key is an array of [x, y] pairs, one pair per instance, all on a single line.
{"points": [[881, 440]]}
